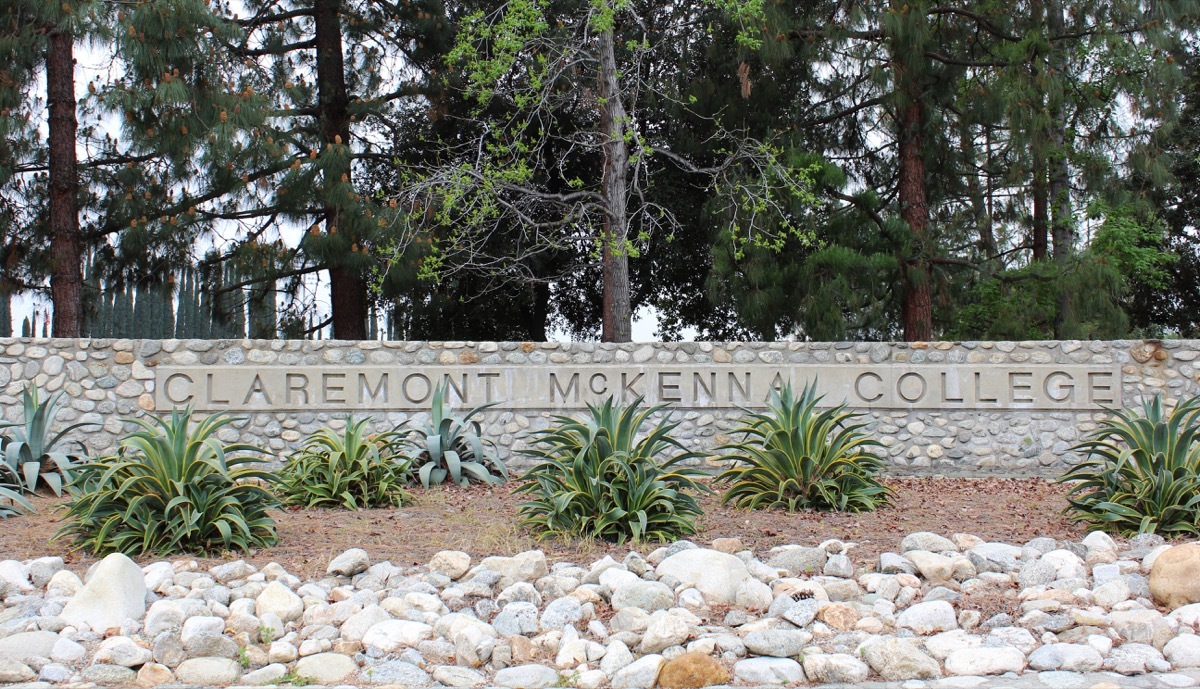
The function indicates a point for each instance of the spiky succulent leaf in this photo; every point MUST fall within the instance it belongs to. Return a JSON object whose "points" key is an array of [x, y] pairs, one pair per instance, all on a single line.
{"points": [[352, 469]]}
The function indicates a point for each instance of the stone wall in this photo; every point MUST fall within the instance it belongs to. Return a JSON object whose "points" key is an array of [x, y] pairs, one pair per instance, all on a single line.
{"points": [[963, 408]]}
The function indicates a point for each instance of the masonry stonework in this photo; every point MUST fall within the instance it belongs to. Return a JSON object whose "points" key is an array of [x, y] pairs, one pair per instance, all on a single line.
{"points": [[961, 408]]}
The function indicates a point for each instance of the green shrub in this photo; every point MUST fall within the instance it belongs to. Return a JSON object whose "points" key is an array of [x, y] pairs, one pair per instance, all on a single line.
{"points": [[449, 447], [1141, 473], [595, 479], [11, 499], [353, 469], [29, 449], [796, 457], [172, 488]]}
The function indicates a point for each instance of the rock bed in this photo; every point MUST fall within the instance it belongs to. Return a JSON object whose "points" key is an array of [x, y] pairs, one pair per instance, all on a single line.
{"points": [[681, 616]]}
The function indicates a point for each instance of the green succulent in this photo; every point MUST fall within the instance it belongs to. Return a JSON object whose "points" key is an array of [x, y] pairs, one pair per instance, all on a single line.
{"points": [[1141, 473], [450, 447], [352, 469], [11, 499], [796, 457], [172, 488], [29, 449], [595, 478]]}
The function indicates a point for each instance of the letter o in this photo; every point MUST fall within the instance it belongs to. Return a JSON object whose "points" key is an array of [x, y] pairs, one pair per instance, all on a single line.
{"points": [[900, 386], [408, 395]]}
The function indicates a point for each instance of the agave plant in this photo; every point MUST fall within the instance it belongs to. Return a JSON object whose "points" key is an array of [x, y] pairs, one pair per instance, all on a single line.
{"points": [[597, 479], [29, 449], [172, 488], [450, 447], [796, 457], [1142, 472], [11, 499], [352, 469]]}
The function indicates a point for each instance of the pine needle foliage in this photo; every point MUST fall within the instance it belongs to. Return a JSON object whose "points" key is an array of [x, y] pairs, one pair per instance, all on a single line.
{"points": [[601, 478], [173, 487], [795, 457], [353, 469], [1142, 472]]}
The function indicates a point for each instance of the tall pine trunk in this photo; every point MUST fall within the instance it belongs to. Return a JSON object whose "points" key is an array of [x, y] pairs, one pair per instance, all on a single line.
{"points": [[1041, 216], [66, 253], [914, 209], [617, 319], [1062, 228], [348, 290]]}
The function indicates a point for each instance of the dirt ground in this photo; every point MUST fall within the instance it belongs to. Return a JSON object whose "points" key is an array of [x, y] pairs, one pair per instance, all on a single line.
{"points": [[483, 521]]}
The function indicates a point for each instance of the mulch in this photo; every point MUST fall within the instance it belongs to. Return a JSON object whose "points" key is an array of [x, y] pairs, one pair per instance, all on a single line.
{"points": [[483, 521]]}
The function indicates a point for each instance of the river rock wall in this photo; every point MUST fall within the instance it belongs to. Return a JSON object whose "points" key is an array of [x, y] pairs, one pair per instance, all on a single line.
{"points": [[957, 408]]}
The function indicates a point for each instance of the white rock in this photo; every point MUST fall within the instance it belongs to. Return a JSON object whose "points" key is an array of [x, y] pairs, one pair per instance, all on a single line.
{"points": [[277, 599], [985, 661], [755, 671], [616, 656], [1187, 614], [899, 659], [1067, 565], [115, 592], [14, 577], [560, 612], [1017, 637], [664, 630], [526, 677], [28, 644], [270, 674], [452, 563], [942, 645], [391, 635], [528, 566], [715, 574], [326, 668], [194, 626], [646, 595], [753, 594], [65, 583], [282, 652], [158, 576], [353, 561], [1069, 657], [121, 650], [208, 671], [12, 671], [462, 677], [1109, 594], [355, 628], [67, 651], [928, 617], [640, 674], [932, 566], [1183, 651], [924, 540], [835, 668]]}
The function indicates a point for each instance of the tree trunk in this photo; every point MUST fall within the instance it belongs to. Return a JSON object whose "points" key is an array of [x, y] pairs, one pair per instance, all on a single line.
{"points": [[914, 209], [66, 253], [1041, 216], [348, 288], [1062, 227], [617, 315]]}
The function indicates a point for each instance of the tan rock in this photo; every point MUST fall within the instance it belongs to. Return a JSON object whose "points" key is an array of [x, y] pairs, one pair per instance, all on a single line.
{"points": [[153, 674], [838, 615], [692, 671], [728, 545], [1175, 576]]}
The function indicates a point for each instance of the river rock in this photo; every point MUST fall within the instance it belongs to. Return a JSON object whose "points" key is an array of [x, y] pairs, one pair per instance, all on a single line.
{"points": [[1175, 576], [353, 561], [640, 674], [121, 650], [208, 671], [834, 668], [646, 595], [897, 660], [928, 617], [12, 671], [692, 671], [526, 677], [985, 661], [277, 599], [326, 668], [28, 644], [755, 671], [116, 592], [715, 574]]}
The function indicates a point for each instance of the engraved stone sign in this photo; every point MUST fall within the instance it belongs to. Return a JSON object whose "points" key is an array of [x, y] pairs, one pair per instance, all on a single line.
{"points": [[551, 387]]}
